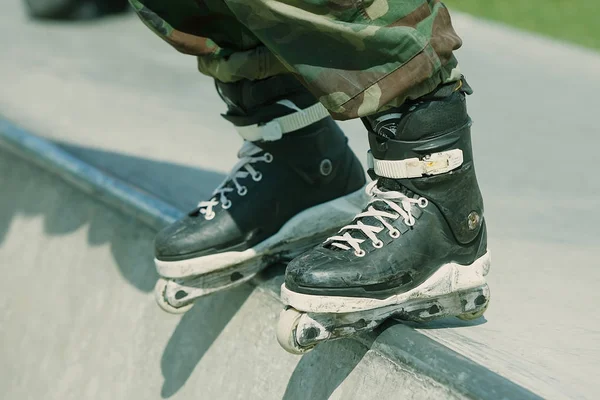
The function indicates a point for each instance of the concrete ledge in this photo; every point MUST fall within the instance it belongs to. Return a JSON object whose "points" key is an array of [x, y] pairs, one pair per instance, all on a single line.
{"points": [[429, 363], [148, 209]]}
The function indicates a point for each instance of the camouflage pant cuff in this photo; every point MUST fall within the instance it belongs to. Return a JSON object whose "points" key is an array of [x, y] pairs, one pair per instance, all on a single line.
{"points": [[256, 64], [448, 73]]}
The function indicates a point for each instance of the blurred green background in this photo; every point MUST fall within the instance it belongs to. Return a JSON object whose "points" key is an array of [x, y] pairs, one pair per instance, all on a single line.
{"points": [[575, 21]]}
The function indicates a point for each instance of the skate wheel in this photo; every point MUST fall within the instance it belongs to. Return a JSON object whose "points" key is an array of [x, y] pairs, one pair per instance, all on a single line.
{"points": [[286, 331], [161, 300], [473, 315]]}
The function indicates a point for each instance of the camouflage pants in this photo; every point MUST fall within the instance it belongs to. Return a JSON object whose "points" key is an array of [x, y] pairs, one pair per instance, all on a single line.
{"points": [[356, 56]]}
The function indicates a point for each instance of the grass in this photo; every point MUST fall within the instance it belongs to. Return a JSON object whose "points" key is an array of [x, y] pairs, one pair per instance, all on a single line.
{"points": [[577, 21]]}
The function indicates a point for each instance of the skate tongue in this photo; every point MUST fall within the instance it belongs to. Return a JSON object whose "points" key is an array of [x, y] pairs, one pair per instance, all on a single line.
{"points": [[248, 154], [385, 185], [392, 185]]}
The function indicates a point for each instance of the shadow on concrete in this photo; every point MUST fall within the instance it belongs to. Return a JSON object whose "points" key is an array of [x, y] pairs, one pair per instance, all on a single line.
{"points": [[31, 192], [321, 371], [195, 333], [448, 322], [182, 187], [179, 185]]}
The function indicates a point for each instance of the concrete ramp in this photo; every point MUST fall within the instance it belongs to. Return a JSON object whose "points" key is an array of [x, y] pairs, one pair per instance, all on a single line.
{"points": [[111, 94], [78, 318]]}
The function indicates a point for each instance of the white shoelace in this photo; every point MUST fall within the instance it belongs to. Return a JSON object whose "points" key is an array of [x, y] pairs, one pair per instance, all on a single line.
{"points": [[241, 170], [397, 201]]}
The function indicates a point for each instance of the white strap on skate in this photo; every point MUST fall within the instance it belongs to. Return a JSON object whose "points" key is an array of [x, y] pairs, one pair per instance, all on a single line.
{"points": [[432, 164], [275, 129]]}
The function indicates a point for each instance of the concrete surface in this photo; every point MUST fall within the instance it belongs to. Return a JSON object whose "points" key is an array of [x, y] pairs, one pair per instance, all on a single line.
{"points": [[78, 319], [422, 364], [123, 100]]}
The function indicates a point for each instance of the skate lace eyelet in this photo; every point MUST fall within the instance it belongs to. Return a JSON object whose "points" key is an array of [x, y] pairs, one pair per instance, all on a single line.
{"points": [[409, 222], [210, 216], [242, 191], [360, 253], [257, 177], [395, 234], [226, 205], [423, 202], [378, 244], [268, 157]]}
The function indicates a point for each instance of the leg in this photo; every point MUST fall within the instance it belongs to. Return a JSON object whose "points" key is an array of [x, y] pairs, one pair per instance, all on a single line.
{"points": [[226, 50], [296, 180], [418, 251], [358, 57], [295, 183]]}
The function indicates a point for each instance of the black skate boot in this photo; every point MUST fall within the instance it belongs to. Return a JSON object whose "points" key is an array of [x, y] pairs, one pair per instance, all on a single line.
{"points": [[295, 182], [418, 250]]}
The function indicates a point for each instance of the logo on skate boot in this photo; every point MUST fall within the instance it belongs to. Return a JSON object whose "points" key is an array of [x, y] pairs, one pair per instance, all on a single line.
{"points": [[388, 130]]}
